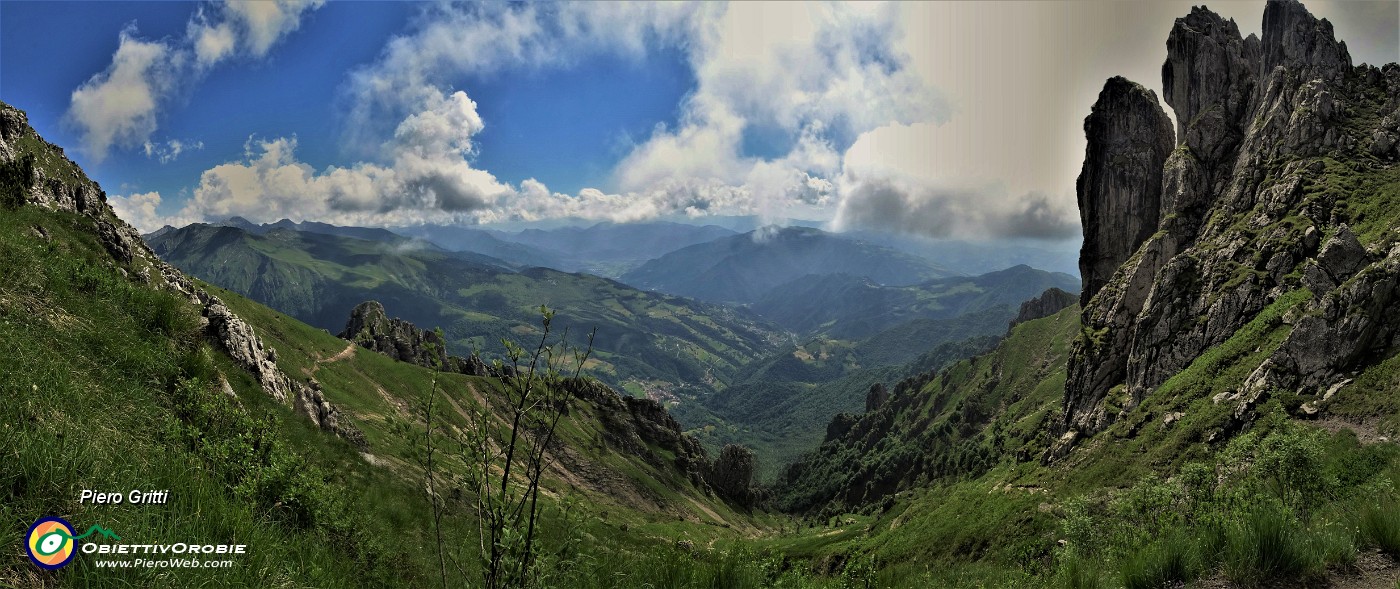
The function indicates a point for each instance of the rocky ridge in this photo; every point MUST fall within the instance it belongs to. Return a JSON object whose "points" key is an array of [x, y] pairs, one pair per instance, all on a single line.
{"points": [[632, 425], [1050, 302], [370, 327], [1274, 137], [59, 184]]}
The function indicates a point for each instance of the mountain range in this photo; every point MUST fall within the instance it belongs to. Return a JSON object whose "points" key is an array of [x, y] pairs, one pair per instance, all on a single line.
{"points": [[744, 268], [1217, 406], [642, 337]]}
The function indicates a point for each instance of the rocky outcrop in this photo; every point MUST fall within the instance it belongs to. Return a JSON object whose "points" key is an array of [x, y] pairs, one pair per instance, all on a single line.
{"points": [[246, 349], [58, 183], [1210, 71], [731, 475], [1050, 302], [876, 397], [633, 425], [1351, 322], [1244, 202], [370, 327], [1120, 186], [311, 402]]}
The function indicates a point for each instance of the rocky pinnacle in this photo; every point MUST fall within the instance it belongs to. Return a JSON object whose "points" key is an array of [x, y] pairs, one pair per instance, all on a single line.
{"points": [[1120, 186]]}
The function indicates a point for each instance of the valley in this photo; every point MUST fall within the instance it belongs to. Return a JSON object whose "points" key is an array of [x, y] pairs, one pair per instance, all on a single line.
{"points": [[516, 394]]}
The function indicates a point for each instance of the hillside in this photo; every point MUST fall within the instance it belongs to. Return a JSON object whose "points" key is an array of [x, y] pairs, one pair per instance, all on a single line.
{"points": [[868, 334], [851, 307], [1221, 410], [270, 433], [745, 268], [780, 405], [664, 342], [979, 257], [487, 243]]}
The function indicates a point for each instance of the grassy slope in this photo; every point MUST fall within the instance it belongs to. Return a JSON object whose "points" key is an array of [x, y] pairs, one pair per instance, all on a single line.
{"points": [[111, 386], [379, 393], [781, 404], [1128, 508]]}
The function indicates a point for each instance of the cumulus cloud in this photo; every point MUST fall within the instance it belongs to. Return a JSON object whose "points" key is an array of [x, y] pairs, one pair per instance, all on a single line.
{"points": [[427, 175], [922, 179], [119, 106], [909, 205], [819, 74], [451, 41], [140, 211]]}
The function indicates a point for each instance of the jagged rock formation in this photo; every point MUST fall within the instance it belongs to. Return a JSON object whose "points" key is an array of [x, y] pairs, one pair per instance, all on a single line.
{"points": [[876, 397], [1280, 142], [1120, 186], [1050, 302], [58, 183], [370, 327], [635, 426], [631, 425], [311, 401], [732, 474]]}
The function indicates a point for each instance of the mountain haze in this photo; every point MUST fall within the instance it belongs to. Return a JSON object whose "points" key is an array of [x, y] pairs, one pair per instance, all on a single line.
{"points": [[744, 268]]}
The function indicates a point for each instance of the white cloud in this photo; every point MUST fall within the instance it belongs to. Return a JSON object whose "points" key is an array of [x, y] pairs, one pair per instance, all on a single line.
{"points": [[119, 106], [140, 211], [812, 72], [212, 43], [809, 71], [451, 41], [264, 22], [170, 150], [426, 175]]}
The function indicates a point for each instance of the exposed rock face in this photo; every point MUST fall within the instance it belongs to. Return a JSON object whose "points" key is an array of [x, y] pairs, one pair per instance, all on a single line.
{"points": [[1050, 302], [60, 184], [1352, 324], [1120, 186], [1245, 200], [876, 397], [372, 328], [732, 474], [246, 348], [631, 424], [1209, 67], [311, 401]]}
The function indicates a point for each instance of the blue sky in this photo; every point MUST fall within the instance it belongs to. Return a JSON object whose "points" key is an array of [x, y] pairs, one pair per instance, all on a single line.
{"points": [[568, 144], [964, 117]]}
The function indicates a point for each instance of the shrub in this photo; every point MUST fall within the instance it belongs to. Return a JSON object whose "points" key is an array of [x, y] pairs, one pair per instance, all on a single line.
{"points": [[1077, 573], [1165, 561], [1266, 544], [1380, 525]]}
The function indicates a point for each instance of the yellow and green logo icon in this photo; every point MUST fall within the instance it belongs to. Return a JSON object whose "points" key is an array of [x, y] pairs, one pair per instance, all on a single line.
{"points": [[52, 544]]}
